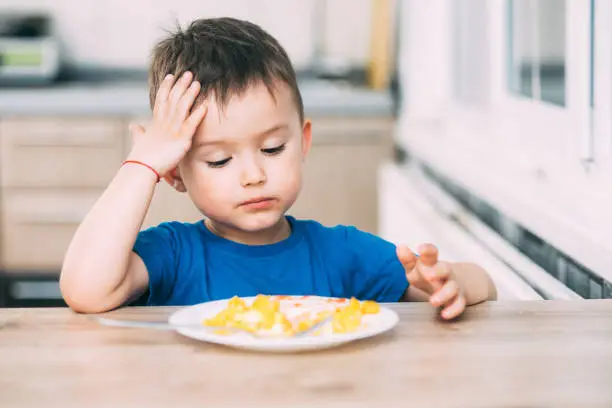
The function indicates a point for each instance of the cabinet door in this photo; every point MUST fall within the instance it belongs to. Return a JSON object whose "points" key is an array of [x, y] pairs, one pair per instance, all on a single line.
{"points": [[37, 226], [52, 170], [60, 152]]}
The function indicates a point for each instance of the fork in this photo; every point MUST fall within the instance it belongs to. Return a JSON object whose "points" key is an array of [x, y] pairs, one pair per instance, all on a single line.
{"points": [[167, 326]]}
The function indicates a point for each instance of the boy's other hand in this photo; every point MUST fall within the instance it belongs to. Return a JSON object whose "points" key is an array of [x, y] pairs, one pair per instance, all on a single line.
{"points": [[433, 277], [167, 139]]}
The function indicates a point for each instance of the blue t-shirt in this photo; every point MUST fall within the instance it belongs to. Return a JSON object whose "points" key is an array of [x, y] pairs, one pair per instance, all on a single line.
{"points": [[188, 264]]}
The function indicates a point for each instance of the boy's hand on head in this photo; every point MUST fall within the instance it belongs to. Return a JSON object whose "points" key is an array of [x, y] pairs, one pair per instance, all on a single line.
{"points": [[433, 277], [167, 139]]}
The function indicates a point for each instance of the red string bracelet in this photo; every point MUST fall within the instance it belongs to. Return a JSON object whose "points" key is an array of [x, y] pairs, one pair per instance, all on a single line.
{"points": [[143, 164]]}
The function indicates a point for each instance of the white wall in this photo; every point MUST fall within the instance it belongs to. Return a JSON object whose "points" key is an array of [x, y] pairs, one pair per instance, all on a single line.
{"points": [[121, 32], [425, 57]]}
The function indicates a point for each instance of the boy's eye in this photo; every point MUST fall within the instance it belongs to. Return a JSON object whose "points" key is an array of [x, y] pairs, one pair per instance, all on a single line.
{"points": [[274, 150], [219, 163]]}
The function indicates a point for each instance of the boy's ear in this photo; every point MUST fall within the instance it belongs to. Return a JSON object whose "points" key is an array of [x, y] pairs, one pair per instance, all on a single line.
{"points": [[306, 137], [174, 179]]}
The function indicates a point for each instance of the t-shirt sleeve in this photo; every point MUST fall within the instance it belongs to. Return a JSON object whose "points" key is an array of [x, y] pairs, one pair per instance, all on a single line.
{"points": [[377, 272], [158, 247]]}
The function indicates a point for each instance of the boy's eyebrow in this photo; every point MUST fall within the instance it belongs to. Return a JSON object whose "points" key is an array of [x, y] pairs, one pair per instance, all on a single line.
{"points": [[259, 135]]}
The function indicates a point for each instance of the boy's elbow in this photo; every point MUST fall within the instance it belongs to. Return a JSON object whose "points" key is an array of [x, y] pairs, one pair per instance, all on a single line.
{"points": [[85, 305], [80, 306], [79, 298], [76, 300]]}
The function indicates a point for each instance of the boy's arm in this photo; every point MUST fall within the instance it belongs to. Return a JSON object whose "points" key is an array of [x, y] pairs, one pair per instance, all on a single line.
{"points": [[100, 271]]}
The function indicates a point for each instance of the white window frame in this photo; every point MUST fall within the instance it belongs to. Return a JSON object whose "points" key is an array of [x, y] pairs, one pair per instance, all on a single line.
{"points": [[602, 76], [565, 140]]}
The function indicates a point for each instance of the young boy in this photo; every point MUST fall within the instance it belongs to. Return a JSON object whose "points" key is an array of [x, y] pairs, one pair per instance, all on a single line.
{"points": [[229, 130]]}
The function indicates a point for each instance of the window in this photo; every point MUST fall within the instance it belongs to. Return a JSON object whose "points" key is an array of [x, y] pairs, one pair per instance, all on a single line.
{"points": [[536, 49], [548, 78]]}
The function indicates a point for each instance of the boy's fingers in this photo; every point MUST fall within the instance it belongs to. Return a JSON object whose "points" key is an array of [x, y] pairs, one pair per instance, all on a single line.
{"points": [[406, 257], [439, 272], [455, 308], [444, 295], [409, 261], [179, 89], [194, 120], [161, 99], [185, 105], [428, 254]]}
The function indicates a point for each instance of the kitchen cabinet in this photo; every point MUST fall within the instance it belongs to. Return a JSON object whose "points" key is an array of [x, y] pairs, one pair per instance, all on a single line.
{"points": [[51, 172]]}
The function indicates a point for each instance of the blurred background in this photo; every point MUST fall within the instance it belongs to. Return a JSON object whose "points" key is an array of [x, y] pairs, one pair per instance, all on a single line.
{"points": [[483, 126]]}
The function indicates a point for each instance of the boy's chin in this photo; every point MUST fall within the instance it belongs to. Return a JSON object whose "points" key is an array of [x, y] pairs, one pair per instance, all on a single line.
{"points": [[259, 221]]}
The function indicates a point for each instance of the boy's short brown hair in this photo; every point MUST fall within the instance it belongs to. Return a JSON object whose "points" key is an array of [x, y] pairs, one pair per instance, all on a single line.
{"points": [[226, 56]]}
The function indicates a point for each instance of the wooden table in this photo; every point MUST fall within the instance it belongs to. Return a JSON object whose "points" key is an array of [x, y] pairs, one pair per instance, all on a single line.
{"points": [[501, 354]]}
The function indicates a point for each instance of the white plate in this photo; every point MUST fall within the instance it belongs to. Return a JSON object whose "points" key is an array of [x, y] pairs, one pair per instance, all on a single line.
{"points": [[374, 324]]}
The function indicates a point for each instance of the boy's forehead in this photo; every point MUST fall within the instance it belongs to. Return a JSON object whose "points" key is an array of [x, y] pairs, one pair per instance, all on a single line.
{"points": [[248, 113]]}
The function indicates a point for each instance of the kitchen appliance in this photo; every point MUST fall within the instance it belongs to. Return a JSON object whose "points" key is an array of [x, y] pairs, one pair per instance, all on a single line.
{"points": [[29, 50]]}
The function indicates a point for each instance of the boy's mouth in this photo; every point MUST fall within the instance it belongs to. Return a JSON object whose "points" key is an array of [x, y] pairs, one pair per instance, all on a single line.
{"points": [[258, 203]]}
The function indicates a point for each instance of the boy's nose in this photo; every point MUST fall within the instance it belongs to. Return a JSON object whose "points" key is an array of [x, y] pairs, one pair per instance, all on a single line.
{"points": [[253, 175]]}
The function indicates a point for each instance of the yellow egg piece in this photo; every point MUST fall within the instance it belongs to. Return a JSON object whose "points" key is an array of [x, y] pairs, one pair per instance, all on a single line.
{"points": [[265, 303], [236, 303], [370, 307]]}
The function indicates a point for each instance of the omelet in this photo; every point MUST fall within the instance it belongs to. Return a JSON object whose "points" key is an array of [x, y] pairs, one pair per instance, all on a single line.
{"points": [[285, 315]]}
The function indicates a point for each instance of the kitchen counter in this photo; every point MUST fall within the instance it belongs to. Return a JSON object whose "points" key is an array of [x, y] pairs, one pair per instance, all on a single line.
{"points": [[321, 98], [500, 354]]}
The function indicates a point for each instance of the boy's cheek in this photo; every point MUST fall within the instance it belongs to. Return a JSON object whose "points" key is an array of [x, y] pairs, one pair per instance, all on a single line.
{"points": [[290, 178], [213, 202], [209, 189]]}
